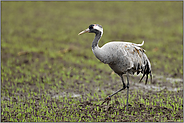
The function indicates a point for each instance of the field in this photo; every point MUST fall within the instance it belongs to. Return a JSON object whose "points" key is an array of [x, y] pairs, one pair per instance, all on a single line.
{"points": [[50, 74]]}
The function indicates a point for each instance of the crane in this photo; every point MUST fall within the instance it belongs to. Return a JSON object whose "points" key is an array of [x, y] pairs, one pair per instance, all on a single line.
{"points": [[122, 57]]}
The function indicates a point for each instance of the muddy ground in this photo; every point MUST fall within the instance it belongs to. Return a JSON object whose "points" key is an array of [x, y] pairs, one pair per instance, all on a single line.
{"points": [[86, 105], [49, 73]]}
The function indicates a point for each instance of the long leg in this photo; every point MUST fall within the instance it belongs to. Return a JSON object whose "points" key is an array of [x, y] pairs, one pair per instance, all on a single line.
{"points": [[124, 86], [127, 89], [109, 97]]}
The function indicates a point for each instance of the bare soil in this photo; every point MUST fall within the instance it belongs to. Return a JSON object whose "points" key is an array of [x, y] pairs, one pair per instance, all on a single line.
{"points": [[90, 106]]}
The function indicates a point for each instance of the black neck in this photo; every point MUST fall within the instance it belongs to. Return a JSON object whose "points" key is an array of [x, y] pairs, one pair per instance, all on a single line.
{"points": [[96, 39]]}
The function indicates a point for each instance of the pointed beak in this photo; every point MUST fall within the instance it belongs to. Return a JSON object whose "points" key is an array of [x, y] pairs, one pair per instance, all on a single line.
{"points": [[84, 31]]}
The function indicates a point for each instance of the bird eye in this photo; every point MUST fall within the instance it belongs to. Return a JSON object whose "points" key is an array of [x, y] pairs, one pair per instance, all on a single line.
{"points": [[91, 26]]}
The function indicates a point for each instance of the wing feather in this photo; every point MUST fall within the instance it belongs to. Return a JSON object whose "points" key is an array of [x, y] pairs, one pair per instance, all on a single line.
{"points": [[125, 56]]}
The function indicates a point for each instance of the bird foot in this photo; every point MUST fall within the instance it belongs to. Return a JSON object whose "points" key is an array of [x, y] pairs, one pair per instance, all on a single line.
{"points": [[106, 100]]}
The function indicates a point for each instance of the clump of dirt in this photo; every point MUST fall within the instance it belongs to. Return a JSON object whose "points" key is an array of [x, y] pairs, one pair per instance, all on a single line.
{"points": [[137, 110]]}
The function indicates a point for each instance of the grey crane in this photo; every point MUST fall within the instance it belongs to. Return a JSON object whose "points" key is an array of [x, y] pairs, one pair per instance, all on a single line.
{"points": [[122, 57]]}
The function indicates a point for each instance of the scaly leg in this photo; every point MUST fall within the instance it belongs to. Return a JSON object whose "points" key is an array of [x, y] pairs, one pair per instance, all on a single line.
{"points": [[127, 89], [109, 97]]}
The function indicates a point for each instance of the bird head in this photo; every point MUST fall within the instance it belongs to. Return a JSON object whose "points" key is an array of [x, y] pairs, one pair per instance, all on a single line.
{"points": [[93, 28]]}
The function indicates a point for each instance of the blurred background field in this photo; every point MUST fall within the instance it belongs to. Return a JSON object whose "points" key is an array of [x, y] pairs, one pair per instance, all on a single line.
{"points": [[48, 69]]}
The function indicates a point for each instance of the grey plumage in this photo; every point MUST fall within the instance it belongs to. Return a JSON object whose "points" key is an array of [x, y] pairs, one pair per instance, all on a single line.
{"points": [[122, 57]]}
